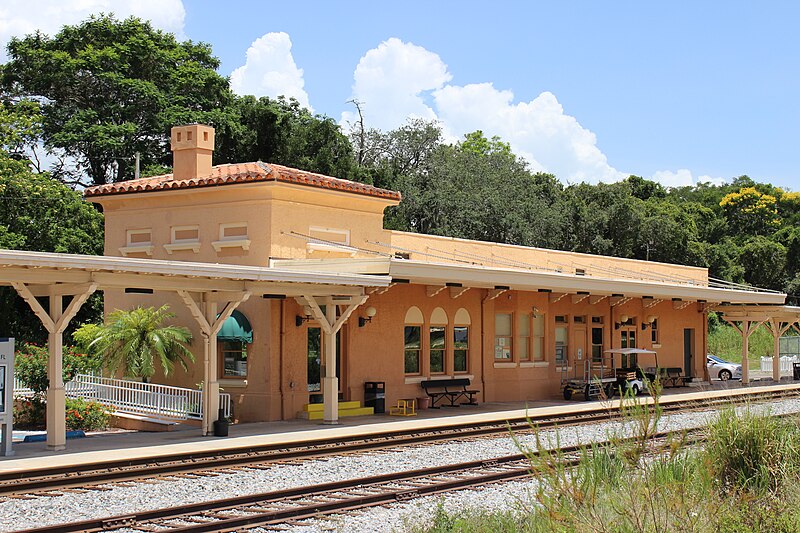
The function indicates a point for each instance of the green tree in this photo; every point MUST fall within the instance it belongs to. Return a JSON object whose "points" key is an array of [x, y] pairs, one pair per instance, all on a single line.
{"points": [[40, 214], [282, 132], [113, 88], [134, 341], [764, 263]]}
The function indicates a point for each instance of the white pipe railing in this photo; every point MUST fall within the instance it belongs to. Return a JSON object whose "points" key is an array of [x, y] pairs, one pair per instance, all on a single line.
{"points": [[786, 363], [139, 398]]}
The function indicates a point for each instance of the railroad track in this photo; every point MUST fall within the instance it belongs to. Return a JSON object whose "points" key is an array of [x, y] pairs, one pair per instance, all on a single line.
{"points": [[95, 476], [288, 506]]}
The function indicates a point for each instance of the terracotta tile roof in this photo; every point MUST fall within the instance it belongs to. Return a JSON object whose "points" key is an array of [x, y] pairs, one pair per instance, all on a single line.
{"points": [[241, 173]]}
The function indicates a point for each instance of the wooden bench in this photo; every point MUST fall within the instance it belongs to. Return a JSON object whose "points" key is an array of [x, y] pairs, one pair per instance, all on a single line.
{"points": [[675, 378], [450, 390]]}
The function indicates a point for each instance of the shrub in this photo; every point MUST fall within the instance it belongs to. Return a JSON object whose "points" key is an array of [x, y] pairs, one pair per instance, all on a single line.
{"points": [[29, 413], [752, 452], [30, 365], [88, 416]]}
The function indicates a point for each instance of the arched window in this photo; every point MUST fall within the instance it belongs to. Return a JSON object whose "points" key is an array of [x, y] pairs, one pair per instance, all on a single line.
{"points": [[233, 338], [413, 340], [438, 341], [461, 340]]}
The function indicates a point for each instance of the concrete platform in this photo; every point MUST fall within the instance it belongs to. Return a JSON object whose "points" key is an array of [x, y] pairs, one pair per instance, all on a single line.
{"points": [[98, 447]]}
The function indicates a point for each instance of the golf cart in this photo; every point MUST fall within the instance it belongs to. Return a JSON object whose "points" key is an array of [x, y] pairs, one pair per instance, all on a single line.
{"points": [[629, 374]]}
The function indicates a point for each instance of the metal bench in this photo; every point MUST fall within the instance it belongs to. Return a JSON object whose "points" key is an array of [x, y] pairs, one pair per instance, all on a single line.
{"points": [[675, 378], [451, 390]]}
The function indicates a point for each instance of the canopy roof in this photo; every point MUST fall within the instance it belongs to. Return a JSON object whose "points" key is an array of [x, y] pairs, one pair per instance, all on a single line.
{"points": [[48, 269], [478, 276], [236, 328]]}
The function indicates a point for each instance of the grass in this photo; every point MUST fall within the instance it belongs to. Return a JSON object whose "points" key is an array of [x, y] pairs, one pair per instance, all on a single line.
{"points": [[725, 342], [742, 479]]}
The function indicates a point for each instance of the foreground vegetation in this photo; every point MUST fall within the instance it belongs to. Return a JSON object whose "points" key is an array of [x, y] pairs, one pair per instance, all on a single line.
{"points": [[742, 478]]}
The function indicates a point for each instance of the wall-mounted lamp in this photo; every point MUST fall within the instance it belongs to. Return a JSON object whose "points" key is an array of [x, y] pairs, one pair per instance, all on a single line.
{"points": [[298, 320], [535, 311], [622, 320], [648, 321], [370, 312]]}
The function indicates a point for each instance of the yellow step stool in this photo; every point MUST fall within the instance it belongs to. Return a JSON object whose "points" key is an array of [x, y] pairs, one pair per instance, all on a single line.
{"points": [[404, 407]]}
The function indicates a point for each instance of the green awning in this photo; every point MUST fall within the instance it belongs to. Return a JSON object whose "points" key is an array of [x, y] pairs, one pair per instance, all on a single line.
{"points": [[236, 328]]}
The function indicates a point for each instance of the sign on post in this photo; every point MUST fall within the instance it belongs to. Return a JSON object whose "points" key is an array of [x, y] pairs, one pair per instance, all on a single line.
{"points": [[6, 395]]}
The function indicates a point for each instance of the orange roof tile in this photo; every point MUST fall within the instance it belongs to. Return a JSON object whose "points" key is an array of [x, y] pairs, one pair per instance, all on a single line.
{"points": [[241, 173]]}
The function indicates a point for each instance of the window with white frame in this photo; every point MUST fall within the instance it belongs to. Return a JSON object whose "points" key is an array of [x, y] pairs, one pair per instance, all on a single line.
{"points": [[232, 235], [184, 238], [138, 241], [523, 336], [460, 348], [562, 338], [503, 327], [537, 339]]}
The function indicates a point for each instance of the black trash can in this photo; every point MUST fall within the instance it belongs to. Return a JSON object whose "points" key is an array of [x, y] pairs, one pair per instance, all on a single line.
{"points": [[375, 395], [221, 424], [796, 371]]}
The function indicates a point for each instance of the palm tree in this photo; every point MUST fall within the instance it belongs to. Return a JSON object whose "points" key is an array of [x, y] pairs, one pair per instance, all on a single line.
{"points": [[133, 340]]}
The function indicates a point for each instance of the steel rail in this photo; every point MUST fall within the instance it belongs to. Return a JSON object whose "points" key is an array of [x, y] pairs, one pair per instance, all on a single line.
{"points": [[55, 478], [313, 501]]}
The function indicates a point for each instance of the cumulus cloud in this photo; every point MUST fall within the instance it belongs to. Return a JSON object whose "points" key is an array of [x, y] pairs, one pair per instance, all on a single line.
{"points": [[393, 82], [22, 17], [270, 70], [398, 80]]}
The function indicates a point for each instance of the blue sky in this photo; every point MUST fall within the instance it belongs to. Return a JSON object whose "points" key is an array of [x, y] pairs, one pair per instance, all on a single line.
{"points": [[675, 91]]}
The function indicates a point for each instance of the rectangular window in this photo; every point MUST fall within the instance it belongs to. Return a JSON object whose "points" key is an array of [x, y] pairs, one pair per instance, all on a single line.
{"points": [[579, 319], [185, 234], [139, 237], [233, 231], [314, 361], [234, 359], [597, 344], [460, 348], [437, 349], [412, 349], [524, 337], [562, 336], [537, 344], [654, 331], [502, 336]]}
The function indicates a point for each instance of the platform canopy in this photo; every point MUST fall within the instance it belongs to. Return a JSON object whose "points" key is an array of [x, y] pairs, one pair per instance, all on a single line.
{"points": [[440, 275], [210, 291], [778, 319]]}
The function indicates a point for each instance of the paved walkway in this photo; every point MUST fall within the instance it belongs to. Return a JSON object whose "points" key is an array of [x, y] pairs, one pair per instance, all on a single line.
{"points": [[131, 444]]}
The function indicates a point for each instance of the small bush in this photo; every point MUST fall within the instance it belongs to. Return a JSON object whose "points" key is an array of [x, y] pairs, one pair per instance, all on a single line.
{"points": [[88, 416], [29, 413], [30, 365]]}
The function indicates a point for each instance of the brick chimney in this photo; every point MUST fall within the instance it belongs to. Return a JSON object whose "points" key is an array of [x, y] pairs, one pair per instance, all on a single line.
{"points": [[192, 147]]}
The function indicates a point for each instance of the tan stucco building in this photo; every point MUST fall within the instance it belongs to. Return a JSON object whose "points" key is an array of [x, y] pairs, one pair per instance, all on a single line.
{"points": [[512, 319]]}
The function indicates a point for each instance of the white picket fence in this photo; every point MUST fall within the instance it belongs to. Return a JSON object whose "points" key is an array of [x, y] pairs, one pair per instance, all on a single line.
{"points": [[135, 397], [786, 363]]}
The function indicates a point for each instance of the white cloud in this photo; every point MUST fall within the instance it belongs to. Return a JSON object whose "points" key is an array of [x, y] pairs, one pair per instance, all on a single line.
{"points": [[682, 178], [270, 70], [398, 80], [21, 17], [392, 80]]}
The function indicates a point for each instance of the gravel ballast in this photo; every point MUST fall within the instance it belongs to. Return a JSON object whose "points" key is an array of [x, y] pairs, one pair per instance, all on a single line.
{"points": [[18, 514]]}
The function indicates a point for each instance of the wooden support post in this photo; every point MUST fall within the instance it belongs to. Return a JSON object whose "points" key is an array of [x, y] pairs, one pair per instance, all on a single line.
{"points": [[210, 323], [330, 382], [55, 322]]}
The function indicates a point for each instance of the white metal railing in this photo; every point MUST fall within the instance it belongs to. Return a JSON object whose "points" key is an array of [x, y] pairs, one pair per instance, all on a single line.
{"points": [[135, 397], [786, 363]]}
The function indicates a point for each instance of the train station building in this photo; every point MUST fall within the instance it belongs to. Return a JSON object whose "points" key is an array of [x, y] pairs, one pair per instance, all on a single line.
{"points": [[511, 319]]}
